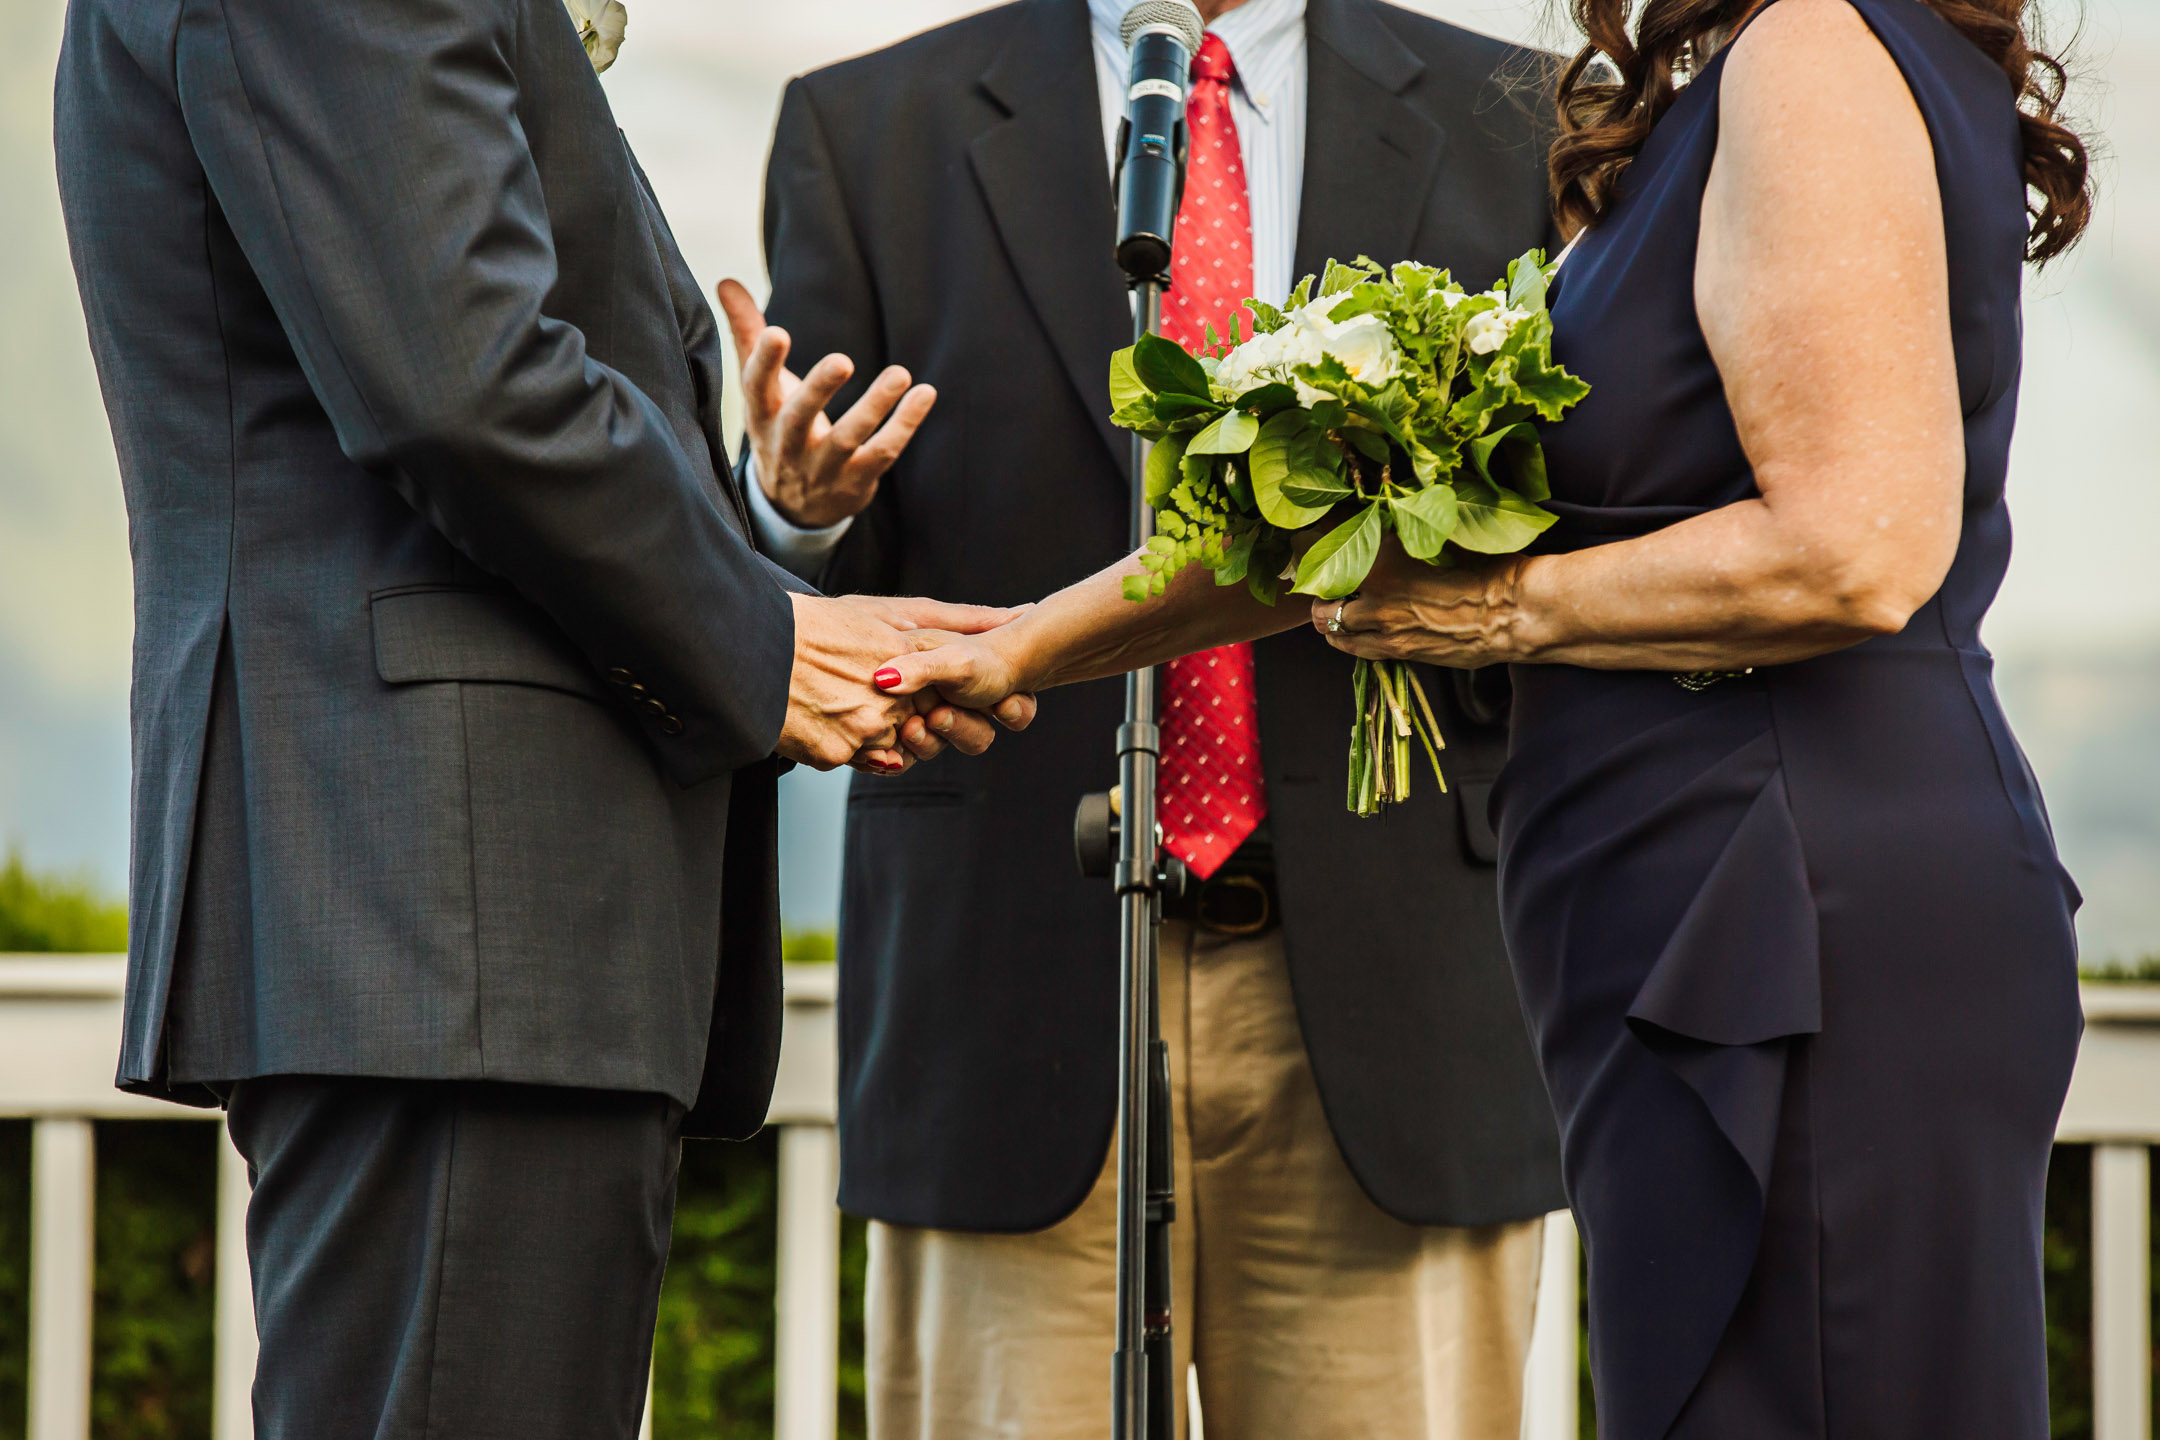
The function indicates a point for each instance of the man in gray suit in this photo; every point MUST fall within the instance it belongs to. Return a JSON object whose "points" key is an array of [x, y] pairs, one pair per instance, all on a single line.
{"points": [[459, 692]]}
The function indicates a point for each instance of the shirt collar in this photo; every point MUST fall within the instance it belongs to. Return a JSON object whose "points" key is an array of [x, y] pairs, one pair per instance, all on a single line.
{"points": [[1264, 37]]}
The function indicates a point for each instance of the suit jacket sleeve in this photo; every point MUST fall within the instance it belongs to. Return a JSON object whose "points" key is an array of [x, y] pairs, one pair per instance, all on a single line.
{"points": [[370, 160], [825, 296]]}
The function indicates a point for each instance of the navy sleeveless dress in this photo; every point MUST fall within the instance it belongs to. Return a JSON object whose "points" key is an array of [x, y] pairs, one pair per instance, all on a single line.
{"points": [[1796, 949]]}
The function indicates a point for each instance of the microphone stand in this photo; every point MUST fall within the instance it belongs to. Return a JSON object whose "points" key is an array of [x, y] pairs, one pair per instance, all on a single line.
{"points": [[1115, 837], [1127, 847], [1143, 1372]]}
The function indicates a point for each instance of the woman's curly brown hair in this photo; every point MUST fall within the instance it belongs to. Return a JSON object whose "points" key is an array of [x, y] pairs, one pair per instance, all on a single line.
{"points": [[1618, 85]]}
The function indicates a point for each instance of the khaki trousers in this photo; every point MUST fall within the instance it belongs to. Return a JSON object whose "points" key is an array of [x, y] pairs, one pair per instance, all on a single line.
{"points": [[1304, 1310]]}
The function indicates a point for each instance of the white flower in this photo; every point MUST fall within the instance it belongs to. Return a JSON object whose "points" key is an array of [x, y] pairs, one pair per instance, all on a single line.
{"points": [[1250, 365], [1363, 345], [600, 24], [1302, 342], [1366, 348], [1488, 329]]}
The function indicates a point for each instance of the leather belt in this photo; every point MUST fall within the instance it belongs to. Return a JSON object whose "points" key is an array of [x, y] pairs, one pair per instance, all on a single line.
{"points": [[1240, 902]]}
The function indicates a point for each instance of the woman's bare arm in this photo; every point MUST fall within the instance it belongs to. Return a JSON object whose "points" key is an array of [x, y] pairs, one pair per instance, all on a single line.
{"points": [[1822, 287], [1090, 630]]}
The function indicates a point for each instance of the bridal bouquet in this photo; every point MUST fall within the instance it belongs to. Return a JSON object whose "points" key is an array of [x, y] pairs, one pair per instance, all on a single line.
{"points": [[1396, 403]]}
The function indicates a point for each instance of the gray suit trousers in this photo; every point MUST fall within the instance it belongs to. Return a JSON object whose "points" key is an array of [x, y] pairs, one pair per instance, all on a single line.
{"points": [[451, 1260]]}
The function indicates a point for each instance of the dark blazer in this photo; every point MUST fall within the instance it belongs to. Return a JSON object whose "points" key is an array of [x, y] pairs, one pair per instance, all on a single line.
{"points": [[456, 677], [946, 204]]}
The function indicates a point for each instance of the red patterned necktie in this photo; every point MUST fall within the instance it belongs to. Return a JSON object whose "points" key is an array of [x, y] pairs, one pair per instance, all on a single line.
{"points": [[1212, 794]]}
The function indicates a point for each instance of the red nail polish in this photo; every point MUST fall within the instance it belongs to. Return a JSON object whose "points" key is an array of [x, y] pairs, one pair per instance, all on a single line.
{"points": [[885, 679]]}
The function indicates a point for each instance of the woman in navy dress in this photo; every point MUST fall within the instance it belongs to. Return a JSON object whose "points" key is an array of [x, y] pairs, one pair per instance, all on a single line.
{"points": [[1787, 917], [1784, 907]]}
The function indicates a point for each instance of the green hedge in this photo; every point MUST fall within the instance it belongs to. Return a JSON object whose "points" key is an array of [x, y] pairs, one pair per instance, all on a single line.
{"points": [[40, 912], [713, 1357]]}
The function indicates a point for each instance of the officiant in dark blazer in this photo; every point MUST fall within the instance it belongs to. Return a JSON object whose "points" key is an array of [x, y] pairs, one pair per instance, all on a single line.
{"points": [[1364, 1146]]}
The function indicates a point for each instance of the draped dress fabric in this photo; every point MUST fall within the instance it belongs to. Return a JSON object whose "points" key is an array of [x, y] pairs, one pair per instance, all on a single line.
{"points": [[1796, 949]]}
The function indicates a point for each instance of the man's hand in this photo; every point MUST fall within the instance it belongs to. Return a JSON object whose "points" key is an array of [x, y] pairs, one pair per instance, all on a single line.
{"points": [[837, 711], [816, 471]]}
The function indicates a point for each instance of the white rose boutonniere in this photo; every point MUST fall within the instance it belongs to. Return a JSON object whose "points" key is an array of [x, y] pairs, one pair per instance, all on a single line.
{"points": [[600, 24]]}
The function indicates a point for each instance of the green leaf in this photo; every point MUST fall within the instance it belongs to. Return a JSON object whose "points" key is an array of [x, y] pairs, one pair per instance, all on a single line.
{"points": [[1237, 556], [1125, 386], [1239, 487], [1138, 417], [1232, 433], [1481, 449], [1424, 519], [1516, 453], [1493, 521], [1432, 466], [1286, 445], [1340, 277], [1314, 486], [1270, 558], [1548, 387], [1370, 443], [1339, 561], [1333, 377], [1526, 280], [1268, 399], [1529, 477], [1162, 468], [1266, 318], [1137, 587], [1174, 409], [1164, 367]]}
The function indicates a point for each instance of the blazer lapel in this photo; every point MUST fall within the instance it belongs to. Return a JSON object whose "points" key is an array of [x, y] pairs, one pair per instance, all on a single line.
{"points": [[1370, 157], [1047, 183]]}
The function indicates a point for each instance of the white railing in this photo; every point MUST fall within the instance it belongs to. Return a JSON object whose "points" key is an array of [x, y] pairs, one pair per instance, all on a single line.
{"points": [[59, 1032]]}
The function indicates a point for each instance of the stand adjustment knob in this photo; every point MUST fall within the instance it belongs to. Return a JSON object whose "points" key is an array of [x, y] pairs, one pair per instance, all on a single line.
{"points": [[1095, 835]]}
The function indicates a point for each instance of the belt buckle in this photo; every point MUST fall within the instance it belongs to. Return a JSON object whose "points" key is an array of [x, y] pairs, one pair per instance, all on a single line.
{"points": [[1233, 928]]}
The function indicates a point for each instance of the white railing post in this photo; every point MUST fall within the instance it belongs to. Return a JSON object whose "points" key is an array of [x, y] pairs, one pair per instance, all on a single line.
{"points": [[63, 1275], [806, 1394], [1550, 1377], [2122, 1292], [232, 1404]]}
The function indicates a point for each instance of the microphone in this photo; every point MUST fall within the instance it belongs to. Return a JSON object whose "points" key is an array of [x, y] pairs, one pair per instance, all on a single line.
{"points": [[1161, 37]]}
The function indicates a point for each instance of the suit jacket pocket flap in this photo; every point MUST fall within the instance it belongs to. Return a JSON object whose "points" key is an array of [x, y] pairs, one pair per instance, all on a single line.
{"points": [[474, 635]]}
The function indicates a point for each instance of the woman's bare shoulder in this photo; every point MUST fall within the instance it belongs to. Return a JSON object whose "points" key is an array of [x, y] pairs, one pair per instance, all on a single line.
{"points": [[1816, 63]]}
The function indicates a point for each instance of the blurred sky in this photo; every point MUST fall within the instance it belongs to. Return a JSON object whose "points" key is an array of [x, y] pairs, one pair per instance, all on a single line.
{"points": [[696, 89]]}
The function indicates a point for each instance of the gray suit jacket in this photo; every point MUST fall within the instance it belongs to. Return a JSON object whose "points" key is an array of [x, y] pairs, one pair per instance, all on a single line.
{"points": [[456, 675]]}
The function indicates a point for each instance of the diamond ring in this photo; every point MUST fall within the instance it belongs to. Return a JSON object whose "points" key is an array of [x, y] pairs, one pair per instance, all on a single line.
{"points": [[1334, 624]]}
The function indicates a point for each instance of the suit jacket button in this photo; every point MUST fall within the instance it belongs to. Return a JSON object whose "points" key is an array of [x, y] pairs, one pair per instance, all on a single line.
{"points": [[652, 707], [621, 677], [669, 725]]}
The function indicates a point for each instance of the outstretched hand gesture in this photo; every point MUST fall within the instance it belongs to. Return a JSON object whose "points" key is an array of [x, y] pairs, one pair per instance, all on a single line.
{"points": [[817, 472]]}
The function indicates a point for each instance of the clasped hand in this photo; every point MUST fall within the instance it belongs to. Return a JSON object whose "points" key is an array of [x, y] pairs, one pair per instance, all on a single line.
{"points": [[839, 715]]}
